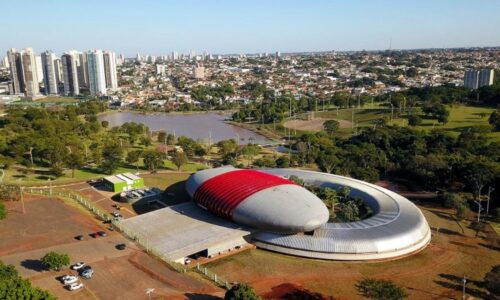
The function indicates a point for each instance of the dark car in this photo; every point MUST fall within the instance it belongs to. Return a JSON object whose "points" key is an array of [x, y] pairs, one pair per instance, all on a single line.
{"points": [[102, 233], [83, 269], [121, 246], [94, 234], [79, 237]]}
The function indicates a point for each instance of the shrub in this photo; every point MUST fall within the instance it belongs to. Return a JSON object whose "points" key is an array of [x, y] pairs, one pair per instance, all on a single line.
{"points": [[55, 261], [241, 291], [380, 289]]}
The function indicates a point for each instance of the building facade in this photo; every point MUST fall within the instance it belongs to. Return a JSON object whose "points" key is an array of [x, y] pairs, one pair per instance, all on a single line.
{"points": [[110, 70], [70, 73], [16, 72], [97, 77], [30, 73], [49, 73], [83, 71], [486, 77]]}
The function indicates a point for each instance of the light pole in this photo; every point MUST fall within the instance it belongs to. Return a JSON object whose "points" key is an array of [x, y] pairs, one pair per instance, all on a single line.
{"points": [[149, 292], [490, 189], [464, 281]]}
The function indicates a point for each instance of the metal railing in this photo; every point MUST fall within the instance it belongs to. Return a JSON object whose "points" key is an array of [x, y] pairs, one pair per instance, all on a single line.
{"points": [[131, 234]]}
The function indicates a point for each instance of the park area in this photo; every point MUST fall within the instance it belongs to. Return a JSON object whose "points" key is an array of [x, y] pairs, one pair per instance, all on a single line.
{"points": [[434, 273], [51, 224], [461, 118]]}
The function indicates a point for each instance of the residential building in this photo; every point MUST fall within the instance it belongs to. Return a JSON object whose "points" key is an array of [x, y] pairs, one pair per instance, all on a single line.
{"points": [[471, 79], [39, 68], [486, 77], [49, 73], [161, 70], [83, 71], [97, 77], [70, 73], [198, 72], [30, 73], [16, 72], [110, 70]]}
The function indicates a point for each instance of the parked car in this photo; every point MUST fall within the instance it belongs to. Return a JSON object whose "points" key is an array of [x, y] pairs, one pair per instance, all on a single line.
{"points": [[187, 261], [66, 277], [78, 266], [87, 273], [75, 286], [70, 280], [121, 246], [102, 233], [116, 214], [94, 235], [79, 237]]}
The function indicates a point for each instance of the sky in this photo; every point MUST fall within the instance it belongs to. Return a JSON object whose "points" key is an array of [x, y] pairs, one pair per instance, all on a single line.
{"points": [[159, 27]]}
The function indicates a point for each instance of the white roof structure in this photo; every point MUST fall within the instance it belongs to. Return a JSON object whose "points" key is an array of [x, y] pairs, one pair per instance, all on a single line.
{"points": [[396, 228]]}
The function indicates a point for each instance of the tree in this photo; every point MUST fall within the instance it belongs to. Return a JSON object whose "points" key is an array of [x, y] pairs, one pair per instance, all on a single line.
{"points": [[13, 286], [104, 124], [179, 159], [3, 211], [327, 160], [283, 162], [162, 137], [111, 158], [297, 180], [171, 140], [349, 212], [494, 120], [414, 120], [146, 141], [241, 291], [329, 196], [492, 281], [331, 126], [152, 160], [250, 151], [380, 289], [133, 157], [477, 172], [55, 261], [74, 161], [461, 212]]}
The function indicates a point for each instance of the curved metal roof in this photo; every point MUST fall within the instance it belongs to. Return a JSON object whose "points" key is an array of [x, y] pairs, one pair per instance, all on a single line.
{"points": [[257, 199], [221, 194], [397, 226]]}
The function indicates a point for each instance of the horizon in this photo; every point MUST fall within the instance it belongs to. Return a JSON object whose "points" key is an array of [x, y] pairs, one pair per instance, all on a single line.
{"points": [[127, 27]]}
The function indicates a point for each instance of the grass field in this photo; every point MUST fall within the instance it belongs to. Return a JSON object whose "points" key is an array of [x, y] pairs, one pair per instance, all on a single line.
{"points": [[23, 176], [434, 273], [461, 118]]}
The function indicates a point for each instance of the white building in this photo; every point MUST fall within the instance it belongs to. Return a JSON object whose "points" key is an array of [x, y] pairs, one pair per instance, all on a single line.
{"points": [[39, 68], [161, 70], [110, 70], [83, 71], [471, 79], [49, 73], [486, 77], [97, 77], [16, 72], [199, 72], [69, 61]]}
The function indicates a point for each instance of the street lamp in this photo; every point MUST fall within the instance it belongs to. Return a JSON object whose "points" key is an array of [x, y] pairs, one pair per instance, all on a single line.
{"points": [[490, 189], [464, 281], [149, 292]]}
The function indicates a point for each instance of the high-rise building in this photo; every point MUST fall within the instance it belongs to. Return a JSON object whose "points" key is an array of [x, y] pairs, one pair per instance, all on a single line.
{"points": [[83, 71], [110, 70], [161, 69], [138, 57], [69, 61], [39, 68], [175, 55], [16, 72], [486, 77], [58, 72], [97, 77], [49, 73], [471, 79], [5, 62], [30, 73], [199, 72]]}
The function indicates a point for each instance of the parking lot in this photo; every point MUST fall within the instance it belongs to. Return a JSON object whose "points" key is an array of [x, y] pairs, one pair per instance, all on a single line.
{"points": [[52, 225]]}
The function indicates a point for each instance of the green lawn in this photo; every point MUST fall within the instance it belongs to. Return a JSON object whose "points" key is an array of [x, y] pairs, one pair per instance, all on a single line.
{"points": [[41, 176]]}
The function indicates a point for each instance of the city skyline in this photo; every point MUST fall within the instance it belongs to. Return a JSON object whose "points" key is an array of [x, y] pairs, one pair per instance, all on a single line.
{"points": [[160, 28]]}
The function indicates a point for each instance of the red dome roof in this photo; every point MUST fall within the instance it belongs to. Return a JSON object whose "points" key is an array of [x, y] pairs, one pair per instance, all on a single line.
{"points": [[222, 194]]}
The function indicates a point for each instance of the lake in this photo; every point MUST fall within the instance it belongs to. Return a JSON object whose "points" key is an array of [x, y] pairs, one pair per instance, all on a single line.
{"points": [[198, 126]]}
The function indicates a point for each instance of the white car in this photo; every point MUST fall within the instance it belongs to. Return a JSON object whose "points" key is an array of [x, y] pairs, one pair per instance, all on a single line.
{"points": [[70, 279], [75, 286], [66, 277], [78, 266]]}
